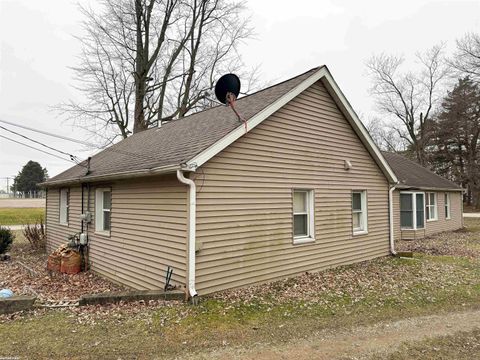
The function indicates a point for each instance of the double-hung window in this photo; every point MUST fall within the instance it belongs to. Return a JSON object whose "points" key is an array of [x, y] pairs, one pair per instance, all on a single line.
{"points": [[359, 212], [447, 206], [303, 218], [103, 207], [64, 205], [412, 213], [431, 206]]}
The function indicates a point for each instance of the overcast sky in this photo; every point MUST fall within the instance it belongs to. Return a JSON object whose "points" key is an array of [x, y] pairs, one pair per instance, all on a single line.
{"points": [[37, 47]]}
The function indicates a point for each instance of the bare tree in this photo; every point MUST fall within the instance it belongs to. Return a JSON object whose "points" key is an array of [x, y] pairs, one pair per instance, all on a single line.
{"points": [[384, 136], [467, 56], [148, 61], [409, 97]]}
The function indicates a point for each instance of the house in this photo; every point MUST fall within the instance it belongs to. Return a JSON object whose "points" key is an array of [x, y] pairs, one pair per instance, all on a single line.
{"points": [[301, 187], [424, 203]]}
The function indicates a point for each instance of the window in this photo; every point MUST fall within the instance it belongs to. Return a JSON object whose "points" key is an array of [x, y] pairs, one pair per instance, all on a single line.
{"points": [[103, 206], [431, 206], [412, 213], [64, 204], [447, 206], [303, 225], [359, 212], [420, 218]]}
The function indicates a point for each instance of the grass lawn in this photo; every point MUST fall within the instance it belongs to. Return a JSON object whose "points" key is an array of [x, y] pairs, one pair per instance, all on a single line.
{"points": [[361, 294], [20, 216]]}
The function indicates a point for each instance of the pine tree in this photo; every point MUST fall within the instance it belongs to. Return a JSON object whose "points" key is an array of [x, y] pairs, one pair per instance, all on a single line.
{"points": [[27, 180], [456, 132]]}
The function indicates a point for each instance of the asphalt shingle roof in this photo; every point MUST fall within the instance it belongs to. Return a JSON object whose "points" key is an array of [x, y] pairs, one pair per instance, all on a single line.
{"points": [[411, 174], [180, 140]]}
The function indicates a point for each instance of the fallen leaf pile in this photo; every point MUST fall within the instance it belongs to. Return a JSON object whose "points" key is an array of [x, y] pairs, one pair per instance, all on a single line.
{"points": [[373, 282], [26, 274], [458, 243]]}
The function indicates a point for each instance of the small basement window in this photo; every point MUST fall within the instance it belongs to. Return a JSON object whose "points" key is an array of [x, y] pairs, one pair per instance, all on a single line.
{"points": [[64, 205], [303, 219], [359, 212], [103, 207]]}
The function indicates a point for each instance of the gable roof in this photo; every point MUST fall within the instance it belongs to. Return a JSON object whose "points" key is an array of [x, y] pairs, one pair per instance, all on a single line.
{"points": [[413, 175], [189, 142]]}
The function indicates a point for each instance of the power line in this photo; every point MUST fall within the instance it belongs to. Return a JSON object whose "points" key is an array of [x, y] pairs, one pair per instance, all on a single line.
{"points": [[72, 157], [144, 156], [49, 134], [34, 148]]}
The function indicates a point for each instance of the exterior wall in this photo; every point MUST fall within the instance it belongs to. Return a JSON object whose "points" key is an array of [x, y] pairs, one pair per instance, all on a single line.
{"points": [[56, 233], [148, 230], [431, 226], [244, 201]]}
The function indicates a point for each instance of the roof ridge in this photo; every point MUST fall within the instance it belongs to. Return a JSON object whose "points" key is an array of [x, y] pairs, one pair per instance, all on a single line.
{"points": [[241, 98]]}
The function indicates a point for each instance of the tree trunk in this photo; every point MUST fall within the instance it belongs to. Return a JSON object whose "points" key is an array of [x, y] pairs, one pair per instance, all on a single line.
{"points": [[139, 113]]}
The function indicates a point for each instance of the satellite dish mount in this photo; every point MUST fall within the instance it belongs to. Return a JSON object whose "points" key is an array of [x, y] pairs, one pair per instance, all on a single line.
{"points": [[227, 90]]}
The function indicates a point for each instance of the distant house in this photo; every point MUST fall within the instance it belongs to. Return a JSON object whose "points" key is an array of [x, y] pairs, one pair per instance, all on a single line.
{"points": [[301, 188], [424, 203]]}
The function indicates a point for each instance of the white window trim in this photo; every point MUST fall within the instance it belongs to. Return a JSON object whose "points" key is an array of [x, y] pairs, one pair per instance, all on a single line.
{"points": [[99, 211], [435, 206], [63, 208], [364, 211], [302, 239], [414, 209], [447, 206]]}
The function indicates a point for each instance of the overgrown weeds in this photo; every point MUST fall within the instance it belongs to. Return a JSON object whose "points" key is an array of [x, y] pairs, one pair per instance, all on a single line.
{"points": [[35, 234]]}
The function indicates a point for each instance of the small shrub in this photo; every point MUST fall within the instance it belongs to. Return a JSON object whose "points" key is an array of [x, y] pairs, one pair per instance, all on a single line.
{"points": [[6, 239], [35, 234]]}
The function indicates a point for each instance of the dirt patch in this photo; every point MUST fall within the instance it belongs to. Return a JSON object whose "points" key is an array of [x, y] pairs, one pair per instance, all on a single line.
{"points": [[464, 345], [357, 343]]}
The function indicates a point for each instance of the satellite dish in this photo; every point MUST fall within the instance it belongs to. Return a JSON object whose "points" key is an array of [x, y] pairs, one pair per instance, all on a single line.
{"points": [[228, 83]]}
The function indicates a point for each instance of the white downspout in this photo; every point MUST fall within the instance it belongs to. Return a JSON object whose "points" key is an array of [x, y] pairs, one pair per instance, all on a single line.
{"points": [[192, 194], [390, 211]]}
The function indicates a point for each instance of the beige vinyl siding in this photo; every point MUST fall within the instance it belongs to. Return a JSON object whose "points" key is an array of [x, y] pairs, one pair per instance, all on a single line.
{"points": [[397, 233], [244, 200], [431, 226], [148, 231], [57, 234], [443, 224]]}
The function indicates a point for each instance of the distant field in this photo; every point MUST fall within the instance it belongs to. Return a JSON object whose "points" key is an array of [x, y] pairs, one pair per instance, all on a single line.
{"points": [[20, 216], [22, 203]]}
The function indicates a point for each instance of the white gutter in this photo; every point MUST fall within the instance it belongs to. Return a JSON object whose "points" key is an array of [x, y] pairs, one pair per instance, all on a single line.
{"points": [[114, 176], [192, 194], [390, 213]]}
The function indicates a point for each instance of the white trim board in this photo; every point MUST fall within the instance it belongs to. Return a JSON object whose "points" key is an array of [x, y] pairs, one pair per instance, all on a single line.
{"points": [[321, 74]]}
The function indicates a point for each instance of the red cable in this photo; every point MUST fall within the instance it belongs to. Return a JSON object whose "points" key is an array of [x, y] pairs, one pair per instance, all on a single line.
{"points": [[231, 100]]}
